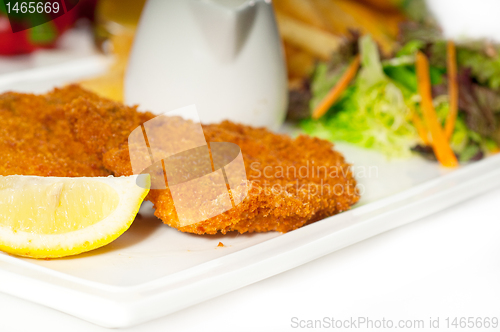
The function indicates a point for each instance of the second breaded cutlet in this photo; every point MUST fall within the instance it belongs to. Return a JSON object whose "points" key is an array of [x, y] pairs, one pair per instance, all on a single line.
{"points": [[291, 182], [72, 132]]}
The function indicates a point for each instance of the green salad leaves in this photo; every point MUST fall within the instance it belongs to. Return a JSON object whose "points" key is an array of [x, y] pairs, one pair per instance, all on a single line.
{"points": [[375, 111], [372, 112]]}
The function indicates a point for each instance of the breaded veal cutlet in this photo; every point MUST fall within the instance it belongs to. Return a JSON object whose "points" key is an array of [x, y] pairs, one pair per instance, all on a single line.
{"points": [[43, 134], [290, 182]]}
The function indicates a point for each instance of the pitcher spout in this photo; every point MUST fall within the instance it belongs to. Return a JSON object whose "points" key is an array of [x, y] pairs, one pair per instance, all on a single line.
{"points": [[225, 24]]}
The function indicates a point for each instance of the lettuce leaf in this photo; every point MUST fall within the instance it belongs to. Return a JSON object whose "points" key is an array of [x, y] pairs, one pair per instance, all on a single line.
{"points": [[485, 69], [372, 113], [480, 58]]}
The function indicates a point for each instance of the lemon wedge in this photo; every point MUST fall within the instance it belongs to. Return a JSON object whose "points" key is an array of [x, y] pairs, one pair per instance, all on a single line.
{"points": [[48, 217]]}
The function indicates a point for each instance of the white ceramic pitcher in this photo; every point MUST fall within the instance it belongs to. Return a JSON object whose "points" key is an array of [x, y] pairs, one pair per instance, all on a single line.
{"points": [[224, 56]]}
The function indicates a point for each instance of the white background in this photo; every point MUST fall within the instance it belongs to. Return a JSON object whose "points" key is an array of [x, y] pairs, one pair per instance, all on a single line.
{"points": [[446, 265]]}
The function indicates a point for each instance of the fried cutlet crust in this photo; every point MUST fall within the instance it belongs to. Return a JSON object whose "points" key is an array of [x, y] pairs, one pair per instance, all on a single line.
{"points": [[73, 132], [36, 137], [291, 182], [57, 135]]}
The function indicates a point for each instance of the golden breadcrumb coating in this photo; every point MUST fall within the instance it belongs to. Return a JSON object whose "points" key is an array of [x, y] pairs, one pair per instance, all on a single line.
{"points": [[291, 182], [73, 132], [56, 134], [36, 137]]}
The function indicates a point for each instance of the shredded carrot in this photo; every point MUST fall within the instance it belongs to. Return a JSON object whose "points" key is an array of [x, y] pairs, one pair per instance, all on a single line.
{"points": [[440, 145], [451, 63], [337, 90], [419, 125]]}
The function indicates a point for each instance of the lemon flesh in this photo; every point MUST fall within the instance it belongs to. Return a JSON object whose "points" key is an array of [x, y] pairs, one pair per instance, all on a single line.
{"points": [[47, 217]]}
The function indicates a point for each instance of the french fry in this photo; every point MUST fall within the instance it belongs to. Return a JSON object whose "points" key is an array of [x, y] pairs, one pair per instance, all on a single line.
{"points": [[343, 16], [289, 49], [109, 85], [373, 22], [384, 5], [338, 22], [299, 63], [295, 83], [313, 40], [302, 10], [391, 24]]}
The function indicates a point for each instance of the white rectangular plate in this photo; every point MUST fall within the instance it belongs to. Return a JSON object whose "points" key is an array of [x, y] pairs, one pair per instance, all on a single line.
{"points": [[153, 270]]}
